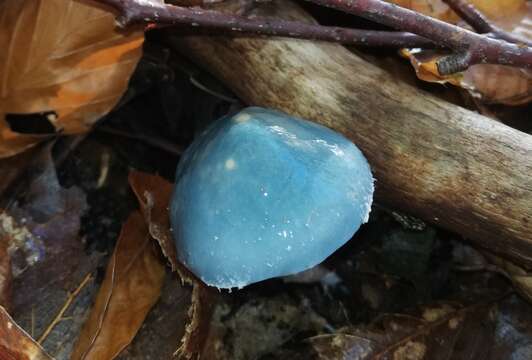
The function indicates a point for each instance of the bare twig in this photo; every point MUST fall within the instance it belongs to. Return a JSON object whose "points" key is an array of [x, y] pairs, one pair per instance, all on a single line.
{"points": [[480, 23], [59, 317], [470, 48], [134, 11]]}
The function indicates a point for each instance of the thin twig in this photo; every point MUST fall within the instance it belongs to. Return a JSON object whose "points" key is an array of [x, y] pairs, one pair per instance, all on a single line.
{"points": [[59, 317], [480, 23], [470, 48], [134, 11]]}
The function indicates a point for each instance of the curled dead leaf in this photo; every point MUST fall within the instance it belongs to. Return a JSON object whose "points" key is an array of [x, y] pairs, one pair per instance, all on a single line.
{"points": [[15, 343], [64, 57], [490, 83], [153, 193], [132, 285], [200, 314]]}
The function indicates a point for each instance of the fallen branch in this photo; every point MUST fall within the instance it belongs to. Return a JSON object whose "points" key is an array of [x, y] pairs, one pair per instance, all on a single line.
{"points": [[470, 48], [438, 161]]}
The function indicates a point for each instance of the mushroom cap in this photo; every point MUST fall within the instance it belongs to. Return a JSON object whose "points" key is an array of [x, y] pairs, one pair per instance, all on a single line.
{"points": [[262, 194]]}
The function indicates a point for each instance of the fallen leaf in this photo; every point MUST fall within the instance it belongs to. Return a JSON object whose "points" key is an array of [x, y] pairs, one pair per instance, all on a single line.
{"points": [[64, 57], [499, 84], [40, 224], [131, 287], [164, 325], [6, 277], [15, 343], [489, 82], [200, 314], [154, 193]]}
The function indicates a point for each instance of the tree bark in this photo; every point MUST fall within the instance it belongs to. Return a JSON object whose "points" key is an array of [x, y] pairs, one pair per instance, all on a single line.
{"points": [[445, 164]]}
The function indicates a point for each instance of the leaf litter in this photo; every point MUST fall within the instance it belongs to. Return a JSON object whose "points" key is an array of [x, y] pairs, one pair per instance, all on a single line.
{"points": [[394, 292], [40, 228]]}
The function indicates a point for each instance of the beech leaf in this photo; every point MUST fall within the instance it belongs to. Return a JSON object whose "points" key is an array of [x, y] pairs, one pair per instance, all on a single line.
{"points": [[153, 193], [64, 58], [132, 285]]}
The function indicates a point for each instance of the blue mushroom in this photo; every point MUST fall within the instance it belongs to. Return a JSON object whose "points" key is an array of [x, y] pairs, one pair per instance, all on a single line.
{"points": [[262, 194]]}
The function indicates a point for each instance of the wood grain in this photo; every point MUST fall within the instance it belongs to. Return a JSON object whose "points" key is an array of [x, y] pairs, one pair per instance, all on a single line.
{"points": [[433, 159]]}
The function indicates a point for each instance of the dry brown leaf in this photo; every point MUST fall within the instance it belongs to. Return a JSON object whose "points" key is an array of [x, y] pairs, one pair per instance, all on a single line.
{"points": [[154, 193], [132, 285], [499, 84], [15, 343], [64, 56], [6, 277], [200, 313], [164, 326], [490, 83]]}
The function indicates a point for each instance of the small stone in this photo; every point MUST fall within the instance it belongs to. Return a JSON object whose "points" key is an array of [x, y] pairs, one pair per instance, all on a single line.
{"points": [[262, 194]]}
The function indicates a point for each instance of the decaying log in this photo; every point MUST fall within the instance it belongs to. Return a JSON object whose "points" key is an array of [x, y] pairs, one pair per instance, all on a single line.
{"points": [[433, 159]]}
